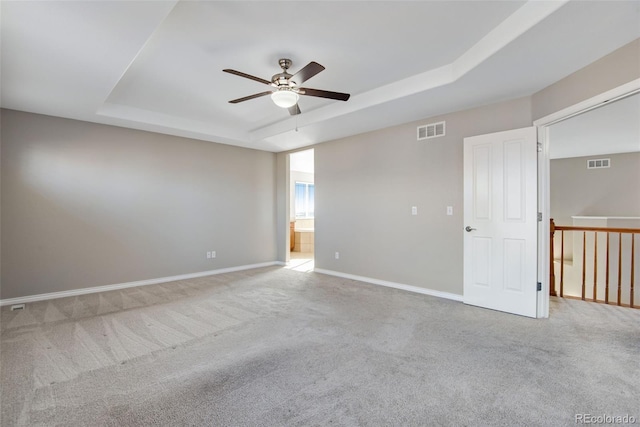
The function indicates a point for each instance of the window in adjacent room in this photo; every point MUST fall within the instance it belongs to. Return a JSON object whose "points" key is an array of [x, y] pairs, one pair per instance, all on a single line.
{"points": [[304, 199]]}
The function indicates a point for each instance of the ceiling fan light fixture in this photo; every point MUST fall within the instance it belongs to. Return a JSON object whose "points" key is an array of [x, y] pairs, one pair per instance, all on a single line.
{"points": [[284, 89], [285, 98]]}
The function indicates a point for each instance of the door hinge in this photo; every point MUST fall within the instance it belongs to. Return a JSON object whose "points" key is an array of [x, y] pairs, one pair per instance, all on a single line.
{"points": [[539, 147], [540, 216], [539, 288]]}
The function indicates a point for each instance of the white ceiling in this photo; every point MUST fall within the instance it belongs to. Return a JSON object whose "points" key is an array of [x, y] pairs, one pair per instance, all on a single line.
{"points": [[612, 128], [157, 65]]}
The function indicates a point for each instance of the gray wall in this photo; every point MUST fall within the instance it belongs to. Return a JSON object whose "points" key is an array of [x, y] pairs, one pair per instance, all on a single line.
{"points": [[576, 190], [88, 205], [367, 184], [619, 67], [0, 203]]}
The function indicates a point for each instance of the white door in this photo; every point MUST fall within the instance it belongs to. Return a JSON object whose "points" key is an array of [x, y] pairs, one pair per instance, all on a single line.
{"points": [[500, 218]]}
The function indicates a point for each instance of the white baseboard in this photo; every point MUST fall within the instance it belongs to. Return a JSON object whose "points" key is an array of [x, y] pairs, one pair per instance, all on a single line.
{"points": [[410, 288], [84, 291]]}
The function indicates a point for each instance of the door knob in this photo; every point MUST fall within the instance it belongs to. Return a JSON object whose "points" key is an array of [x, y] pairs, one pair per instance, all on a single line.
{"points": [[469, 229]]}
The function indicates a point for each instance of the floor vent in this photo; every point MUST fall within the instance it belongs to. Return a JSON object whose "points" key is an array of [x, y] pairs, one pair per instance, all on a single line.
{"points": [[598, 163], [17, 307], [431, 130]]}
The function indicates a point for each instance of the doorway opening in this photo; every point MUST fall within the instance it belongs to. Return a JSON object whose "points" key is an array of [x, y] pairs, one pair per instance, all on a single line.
{"points": [[301, 211], [594, 159], [544, 125]]}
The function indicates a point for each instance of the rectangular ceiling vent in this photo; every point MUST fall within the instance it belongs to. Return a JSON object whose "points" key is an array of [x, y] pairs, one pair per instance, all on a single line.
{"points": [[432, 130], [598, 163]]}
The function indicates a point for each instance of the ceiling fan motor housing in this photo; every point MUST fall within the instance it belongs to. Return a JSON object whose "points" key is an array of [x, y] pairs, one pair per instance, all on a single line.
{"points": [[283, 78]]}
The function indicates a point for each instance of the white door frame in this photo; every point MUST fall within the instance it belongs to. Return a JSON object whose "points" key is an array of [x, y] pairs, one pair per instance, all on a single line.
{"points": [[543, 125]]}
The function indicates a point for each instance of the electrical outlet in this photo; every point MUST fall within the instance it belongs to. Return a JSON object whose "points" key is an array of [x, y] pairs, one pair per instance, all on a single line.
{"points": [[414, 210], [213, 254], [208, 254], [337, 255], [449, 210]]}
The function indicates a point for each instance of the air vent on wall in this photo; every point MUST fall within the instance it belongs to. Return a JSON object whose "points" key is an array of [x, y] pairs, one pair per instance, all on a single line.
{"points": [[598, 163], [431, 130]]}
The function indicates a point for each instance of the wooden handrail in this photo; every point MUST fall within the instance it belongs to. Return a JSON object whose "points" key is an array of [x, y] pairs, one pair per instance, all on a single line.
{"points": [[603, 229], [620, 232]]}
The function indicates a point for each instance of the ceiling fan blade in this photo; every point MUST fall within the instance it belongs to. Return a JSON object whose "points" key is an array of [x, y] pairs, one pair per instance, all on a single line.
{"points": [[247, 76], [295, 110], [324, 94], [246, 98], [310, 70]]}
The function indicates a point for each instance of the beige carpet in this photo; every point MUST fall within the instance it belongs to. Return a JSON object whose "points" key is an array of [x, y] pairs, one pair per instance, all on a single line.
{"points": [[273, 346]]}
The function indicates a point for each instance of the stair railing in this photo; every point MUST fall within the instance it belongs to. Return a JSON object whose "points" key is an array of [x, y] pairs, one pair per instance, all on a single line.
{"points": [[612, 264]]}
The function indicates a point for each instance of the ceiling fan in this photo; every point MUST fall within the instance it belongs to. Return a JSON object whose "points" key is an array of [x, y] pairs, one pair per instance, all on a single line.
{"points": [[287, 89]]}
